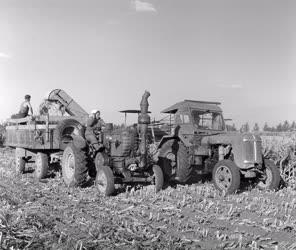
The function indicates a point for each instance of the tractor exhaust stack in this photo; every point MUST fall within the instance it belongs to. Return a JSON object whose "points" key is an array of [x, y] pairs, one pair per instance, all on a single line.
{"points": [[143, 121]]}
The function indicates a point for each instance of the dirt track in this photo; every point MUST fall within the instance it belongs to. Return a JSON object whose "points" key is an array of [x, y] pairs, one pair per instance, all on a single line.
{"points": [[48, 215]]}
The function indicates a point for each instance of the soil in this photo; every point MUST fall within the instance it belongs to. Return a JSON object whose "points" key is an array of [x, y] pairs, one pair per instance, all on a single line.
{"points": [[48, 215]]}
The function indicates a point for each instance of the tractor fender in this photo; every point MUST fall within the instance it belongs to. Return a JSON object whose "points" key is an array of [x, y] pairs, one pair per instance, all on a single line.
{"points": [[66, 129], [78, 141], [166, 138]]}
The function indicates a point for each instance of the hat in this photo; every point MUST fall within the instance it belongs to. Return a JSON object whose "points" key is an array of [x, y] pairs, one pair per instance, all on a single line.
{"points": [[94, 111], [27, 96]]}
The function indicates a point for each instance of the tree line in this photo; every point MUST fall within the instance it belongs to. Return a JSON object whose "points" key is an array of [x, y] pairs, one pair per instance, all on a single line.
{"points": [[281, 127]]}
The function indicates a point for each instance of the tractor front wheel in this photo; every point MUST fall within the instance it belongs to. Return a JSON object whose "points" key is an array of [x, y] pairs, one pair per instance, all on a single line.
{"points": [[226, 176], [105, 181], [271, 177]]}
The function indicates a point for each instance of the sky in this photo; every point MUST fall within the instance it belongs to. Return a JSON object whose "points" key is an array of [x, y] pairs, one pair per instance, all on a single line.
{"points": [[106, 53]]}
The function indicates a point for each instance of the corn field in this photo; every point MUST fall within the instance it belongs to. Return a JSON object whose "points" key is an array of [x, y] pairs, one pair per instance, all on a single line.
{"points": [[282, 150], [49, 215]]}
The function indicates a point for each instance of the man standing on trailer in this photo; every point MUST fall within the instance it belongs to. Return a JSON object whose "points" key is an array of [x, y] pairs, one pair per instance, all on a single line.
{"points": [[93, 129], [25, 109]]}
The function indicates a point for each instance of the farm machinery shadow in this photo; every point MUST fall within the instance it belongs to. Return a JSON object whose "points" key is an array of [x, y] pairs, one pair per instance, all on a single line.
{"points": [[199, 179]]}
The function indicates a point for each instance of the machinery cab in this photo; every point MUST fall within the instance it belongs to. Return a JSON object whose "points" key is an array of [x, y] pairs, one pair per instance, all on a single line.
{"points": [[190, 118]]}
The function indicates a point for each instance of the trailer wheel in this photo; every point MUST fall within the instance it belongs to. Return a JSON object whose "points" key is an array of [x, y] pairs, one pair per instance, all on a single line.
{"points": [[105, 181], [74, 168], [271, 177], [20, 165], [226, 176], [41, 162], [157, 178]]}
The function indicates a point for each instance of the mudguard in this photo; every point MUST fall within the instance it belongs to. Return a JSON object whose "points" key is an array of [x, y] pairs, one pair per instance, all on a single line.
{"points": [[166, 138], [78, 141]]}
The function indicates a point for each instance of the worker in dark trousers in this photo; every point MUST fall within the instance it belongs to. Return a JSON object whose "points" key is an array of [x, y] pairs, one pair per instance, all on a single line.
{"points": [[25, 109], [94, 126]]}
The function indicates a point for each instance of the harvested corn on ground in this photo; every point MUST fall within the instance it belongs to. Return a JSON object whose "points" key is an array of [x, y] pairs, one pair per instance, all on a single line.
{"points": [[48, 215]]}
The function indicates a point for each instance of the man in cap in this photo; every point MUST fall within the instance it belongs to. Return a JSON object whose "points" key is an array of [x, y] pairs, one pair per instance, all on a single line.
{"points": [[93, 129], [25, 109]]}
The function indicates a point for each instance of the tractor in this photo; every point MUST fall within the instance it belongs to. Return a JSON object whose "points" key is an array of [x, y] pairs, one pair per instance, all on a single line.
{"points": [[123, 158], [197, 141]]}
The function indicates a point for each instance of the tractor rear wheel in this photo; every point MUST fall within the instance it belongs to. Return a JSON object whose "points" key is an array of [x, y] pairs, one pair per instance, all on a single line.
{"points": [[41, 162], [184, 168], [166, 159], [174, 161], [226, 176], [157, 178], [105, 181], [74, 167], [271, 177]]}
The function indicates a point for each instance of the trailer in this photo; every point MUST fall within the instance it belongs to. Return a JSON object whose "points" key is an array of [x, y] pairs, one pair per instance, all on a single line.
{"points": [[42, 138]]}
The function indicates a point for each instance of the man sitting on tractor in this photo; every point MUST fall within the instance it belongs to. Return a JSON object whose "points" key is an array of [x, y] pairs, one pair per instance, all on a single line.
{"points": [[93, 129]]}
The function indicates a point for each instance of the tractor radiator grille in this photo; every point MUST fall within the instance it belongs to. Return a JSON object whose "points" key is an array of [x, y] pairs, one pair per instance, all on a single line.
{"points": [[252, 150]]}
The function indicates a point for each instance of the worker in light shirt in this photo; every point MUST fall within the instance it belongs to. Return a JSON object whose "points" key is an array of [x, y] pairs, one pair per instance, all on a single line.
{"points": [[94, 125]]}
